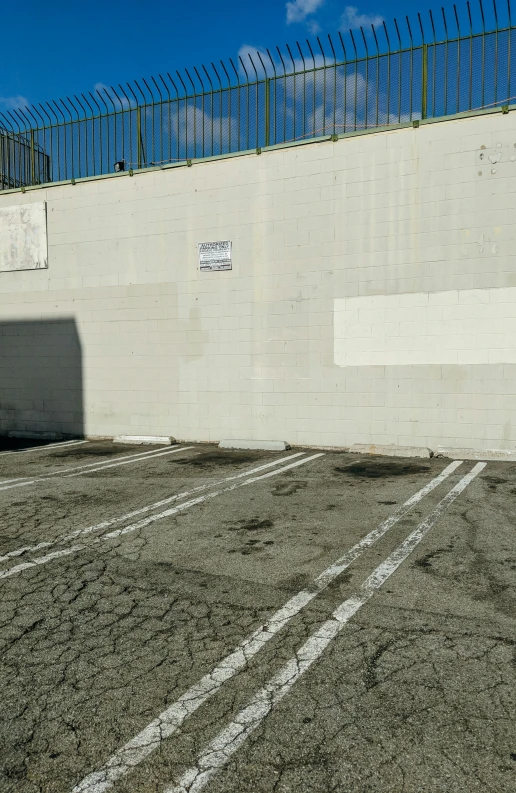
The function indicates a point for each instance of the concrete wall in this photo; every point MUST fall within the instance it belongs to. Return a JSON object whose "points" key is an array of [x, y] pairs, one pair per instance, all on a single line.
{"points": [[371, 298]]}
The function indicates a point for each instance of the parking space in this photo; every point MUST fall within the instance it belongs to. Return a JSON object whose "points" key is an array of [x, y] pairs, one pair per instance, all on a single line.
{"points": [[188, 619]]}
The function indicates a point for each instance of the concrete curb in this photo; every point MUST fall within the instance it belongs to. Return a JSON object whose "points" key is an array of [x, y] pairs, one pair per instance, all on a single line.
{"points": [[475, 454], [268, 446], [162, 440], [390, 450], [35, 436]]}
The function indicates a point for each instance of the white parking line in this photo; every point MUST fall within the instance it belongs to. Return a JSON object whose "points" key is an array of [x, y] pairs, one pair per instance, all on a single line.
{"points": [[127, 458], [37, 449], [43, 447], [231, 738], [170, 720], [146, 521], [187, 504], [21, 483], [146, 456], [41, 560], [142, 510]]}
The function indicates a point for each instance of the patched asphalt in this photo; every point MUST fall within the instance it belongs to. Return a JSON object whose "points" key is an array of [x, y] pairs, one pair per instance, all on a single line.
{"points": [[100, 634]]}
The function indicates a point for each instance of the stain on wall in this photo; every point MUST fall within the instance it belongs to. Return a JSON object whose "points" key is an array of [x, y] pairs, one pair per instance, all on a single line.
{"points": [[23, 237]]}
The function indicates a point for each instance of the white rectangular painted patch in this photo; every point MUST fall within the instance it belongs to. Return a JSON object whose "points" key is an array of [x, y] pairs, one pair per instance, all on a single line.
{"points": [[23, 237], [469, 326]]}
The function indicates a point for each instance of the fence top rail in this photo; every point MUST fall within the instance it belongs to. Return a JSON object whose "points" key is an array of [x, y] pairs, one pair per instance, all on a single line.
{"points": [[256, 67]]}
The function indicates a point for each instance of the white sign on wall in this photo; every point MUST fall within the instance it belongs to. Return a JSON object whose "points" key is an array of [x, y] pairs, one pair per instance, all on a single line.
{"points": [[23, 237], [215, 256]]}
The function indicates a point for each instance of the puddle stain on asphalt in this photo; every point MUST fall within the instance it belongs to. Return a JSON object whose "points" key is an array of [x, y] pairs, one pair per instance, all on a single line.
{"points": [[254, 524], [289, 488], [379, 470], [493, 481], [86, 451], [252, 545], [425, 562], [211, 459]]}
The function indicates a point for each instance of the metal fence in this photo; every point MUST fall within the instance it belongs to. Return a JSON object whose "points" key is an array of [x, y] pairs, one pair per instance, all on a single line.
{"points": [[22, 161], [363, 79]]}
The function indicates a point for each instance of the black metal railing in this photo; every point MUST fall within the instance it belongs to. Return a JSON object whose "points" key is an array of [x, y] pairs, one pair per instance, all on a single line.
{"points": [[22, 160]]}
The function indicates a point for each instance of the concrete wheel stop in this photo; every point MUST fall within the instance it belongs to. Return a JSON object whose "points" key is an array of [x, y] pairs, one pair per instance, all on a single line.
{"points": [[267, 446], [391, 450], [475, 454], [163, 440]]}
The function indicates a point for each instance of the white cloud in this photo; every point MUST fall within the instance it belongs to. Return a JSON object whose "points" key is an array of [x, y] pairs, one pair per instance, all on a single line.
{"points": [[13, 102], [351, 19], [102, 87], [247, 49], [298, 10]]}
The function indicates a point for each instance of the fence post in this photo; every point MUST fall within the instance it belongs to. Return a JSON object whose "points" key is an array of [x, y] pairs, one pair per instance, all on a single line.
{"points": [[267, 110], [139, 136], [424, 81], [32, 159]]}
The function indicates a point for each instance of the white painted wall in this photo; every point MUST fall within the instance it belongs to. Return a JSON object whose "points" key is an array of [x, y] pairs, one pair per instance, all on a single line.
{"points": [[416, 223]]}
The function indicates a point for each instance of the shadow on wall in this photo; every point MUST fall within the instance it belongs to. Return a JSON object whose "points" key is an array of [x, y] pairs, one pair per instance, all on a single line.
{"points": [[41, 377]]}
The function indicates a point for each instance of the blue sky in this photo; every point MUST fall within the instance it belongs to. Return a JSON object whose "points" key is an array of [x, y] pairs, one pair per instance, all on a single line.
{"points": [[60, 48]]}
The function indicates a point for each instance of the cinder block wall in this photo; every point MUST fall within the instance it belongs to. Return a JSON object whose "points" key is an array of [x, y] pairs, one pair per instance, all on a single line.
{"points": [[372, 296]]}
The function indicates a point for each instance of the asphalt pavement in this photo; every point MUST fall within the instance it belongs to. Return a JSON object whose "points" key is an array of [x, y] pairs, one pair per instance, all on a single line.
{"points": [[178, 619]]}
